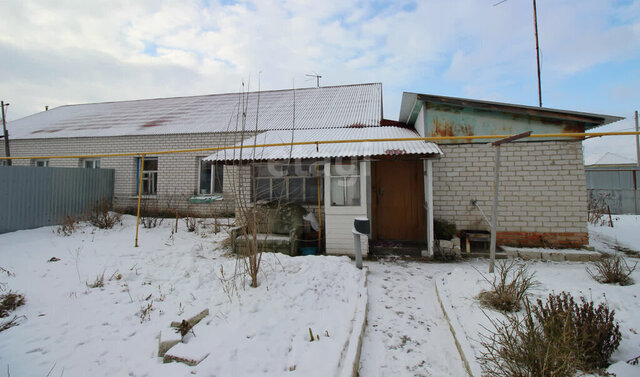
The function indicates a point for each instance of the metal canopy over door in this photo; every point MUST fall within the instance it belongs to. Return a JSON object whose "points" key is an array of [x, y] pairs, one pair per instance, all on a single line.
{"points": [[398, 200]]}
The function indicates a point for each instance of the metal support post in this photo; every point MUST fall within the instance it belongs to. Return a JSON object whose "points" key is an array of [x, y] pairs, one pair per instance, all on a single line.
{"points": [[494, 216], [7, 152]]}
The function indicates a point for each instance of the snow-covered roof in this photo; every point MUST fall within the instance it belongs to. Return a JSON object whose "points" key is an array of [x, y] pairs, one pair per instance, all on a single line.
{"points": [[610, 158], [325, 107], [313, 150]]}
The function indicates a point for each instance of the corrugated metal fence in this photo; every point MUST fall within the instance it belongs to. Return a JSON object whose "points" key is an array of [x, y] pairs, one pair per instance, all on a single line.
{"points": [[618, 187], [31, 197]]}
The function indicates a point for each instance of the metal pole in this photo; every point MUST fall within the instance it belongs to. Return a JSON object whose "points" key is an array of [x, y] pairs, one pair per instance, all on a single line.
{"points": [[637, 142], [141, 171], [7, 153], [494, 216], [535, 24], [635, 199]]}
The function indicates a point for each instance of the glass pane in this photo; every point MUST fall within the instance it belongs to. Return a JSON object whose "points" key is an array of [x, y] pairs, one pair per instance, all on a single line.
{"points": [[311, 190], [261, 171], [218, 169], [150, 164], [345, 168], [337, 191], [263, 189], [353, 191], [295, 190], [96, 164], [205, 177], [278, 189]]}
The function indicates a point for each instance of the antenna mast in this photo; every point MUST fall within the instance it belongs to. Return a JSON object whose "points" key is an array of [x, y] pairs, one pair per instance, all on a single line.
{"points": [[318, 77]]}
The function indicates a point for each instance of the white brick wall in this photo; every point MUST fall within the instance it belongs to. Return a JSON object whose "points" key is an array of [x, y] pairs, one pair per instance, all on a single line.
{"points": [[178, 173], [542, 186]]}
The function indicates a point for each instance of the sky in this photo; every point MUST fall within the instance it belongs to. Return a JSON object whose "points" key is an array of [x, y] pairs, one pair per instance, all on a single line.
{"points": [[61, 52]]}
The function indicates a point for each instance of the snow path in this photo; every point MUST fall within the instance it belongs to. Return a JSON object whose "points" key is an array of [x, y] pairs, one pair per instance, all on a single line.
{"points": [[406, 333]]}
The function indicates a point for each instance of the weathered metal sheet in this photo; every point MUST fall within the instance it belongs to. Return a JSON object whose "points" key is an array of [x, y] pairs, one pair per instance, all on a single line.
{"points": [[325, 107], [616, 187], [359, 149], [32, 197]]}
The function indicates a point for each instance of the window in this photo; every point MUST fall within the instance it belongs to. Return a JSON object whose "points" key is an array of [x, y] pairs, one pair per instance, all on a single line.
{"points": [[345, 183], [41, 163], [4, 163], [211, 179], [149, 176], [294, 182], [91, 164]]}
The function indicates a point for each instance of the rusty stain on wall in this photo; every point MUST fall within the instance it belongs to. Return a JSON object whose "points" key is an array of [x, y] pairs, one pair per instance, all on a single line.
{"points": [[443, 127]]}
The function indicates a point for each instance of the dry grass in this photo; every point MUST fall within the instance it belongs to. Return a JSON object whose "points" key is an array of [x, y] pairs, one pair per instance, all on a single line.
{"points": [[191, 223], [554, 338], [9, 302], [612, 270], [15, 321], [68, 226], [102, 217], [509, 287], [98, 283]]}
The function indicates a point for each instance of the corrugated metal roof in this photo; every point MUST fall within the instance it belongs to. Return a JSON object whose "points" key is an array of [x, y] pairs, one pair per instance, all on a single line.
{"points": [[325, 107], [408, 110], [356, 149]]}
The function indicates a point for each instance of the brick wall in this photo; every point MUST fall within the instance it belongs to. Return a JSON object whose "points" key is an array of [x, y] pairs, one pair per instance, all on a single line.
{"points": [[177, 173], [543, 197]]}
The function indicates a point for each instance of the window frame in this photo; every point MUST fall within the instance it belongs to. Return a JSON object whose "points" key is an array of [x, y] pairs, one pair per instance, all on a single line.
{"points": [[344, 177], [216, 168], [287, 172], [95, 163], [43, 161], [151, 176]]}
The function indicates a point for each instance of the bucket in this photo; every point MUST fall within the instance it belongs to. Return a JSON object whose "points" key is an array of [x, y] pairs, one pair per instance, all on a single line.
{"points": [[309, 250]]}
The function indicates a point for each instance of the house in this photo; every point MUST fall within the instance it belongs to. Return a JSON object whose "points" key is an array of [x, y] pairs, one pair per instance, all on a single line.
{"points": [[543, 197], [330, 150], [614, 181]]}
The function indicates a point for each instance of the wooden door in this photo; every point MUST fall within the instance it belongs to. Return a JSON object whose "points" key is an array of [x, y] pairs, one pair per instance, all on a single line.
{"points": [[398, 196]]}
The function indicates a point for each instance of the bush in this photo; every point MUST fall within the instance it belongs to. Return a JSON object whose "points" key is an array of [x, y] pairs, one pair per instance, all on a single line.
{"points": [[68, 226], [519, 348], [593, 330], [556, 338], [509, 287], [101, 217], [9, 302], [613, 270], [443, 229]]}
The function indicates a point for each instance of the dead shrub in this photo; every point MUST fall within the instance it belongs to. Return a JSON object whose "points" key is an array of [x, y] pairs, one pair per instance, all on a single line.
{"points": [[594, 332], [555, 338], [9, 302], [145, 312], [191, 223], [612, 270], [101, 216], [509, 286], [520, 348], [68, 226], [98, 283]]}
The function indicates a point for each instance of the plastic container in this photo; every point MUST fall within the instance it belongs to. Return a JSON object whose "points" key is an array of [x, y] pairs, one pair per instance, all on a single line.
{"points": [[309, 250]]}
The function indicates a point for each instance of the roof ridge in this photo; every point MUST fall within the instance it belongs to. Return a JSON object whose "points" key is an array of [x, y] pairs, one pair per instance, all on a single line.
{"points": [[218, 94]]}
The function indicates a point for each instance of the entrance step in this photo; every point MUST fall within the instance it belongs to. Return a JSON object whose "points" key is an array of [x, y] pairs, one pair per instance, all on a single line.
{"points": [[398, 248]]}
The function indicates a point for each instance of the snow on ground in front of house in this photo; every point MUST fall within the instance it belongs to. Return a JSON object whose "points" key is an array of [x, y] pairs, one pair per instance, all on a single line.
{"points": [[625, 233], [73, 330], [406, 333], [466, 280]]}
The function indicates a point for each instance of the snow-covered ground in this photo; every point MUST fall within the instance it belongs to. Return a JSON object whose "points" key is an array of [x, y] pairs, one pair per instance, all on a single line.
{"points": [[625, 234], [71, 329], [406, 332]]}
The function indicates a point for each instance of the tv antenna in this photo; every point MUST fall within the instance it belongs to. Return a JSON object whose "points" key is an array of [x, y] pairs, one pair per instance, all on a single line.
{"points": [[535, 27], [317, 76]]}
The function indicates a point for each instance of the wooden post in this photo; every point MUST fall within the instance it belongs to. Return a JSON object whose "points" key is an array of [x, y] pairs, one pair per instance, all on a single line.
{"points": [[494, 215]]}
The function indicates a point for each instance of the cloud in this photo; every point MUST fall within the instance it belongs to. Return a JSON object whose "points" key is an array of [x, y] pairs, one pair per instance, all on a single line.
{"points": [[75, 51]]}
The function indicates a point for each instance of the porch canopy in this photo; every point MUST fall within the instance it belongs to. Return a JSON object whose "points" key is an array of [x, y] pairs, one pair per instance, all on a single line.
{"points": [[319, 151]]}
